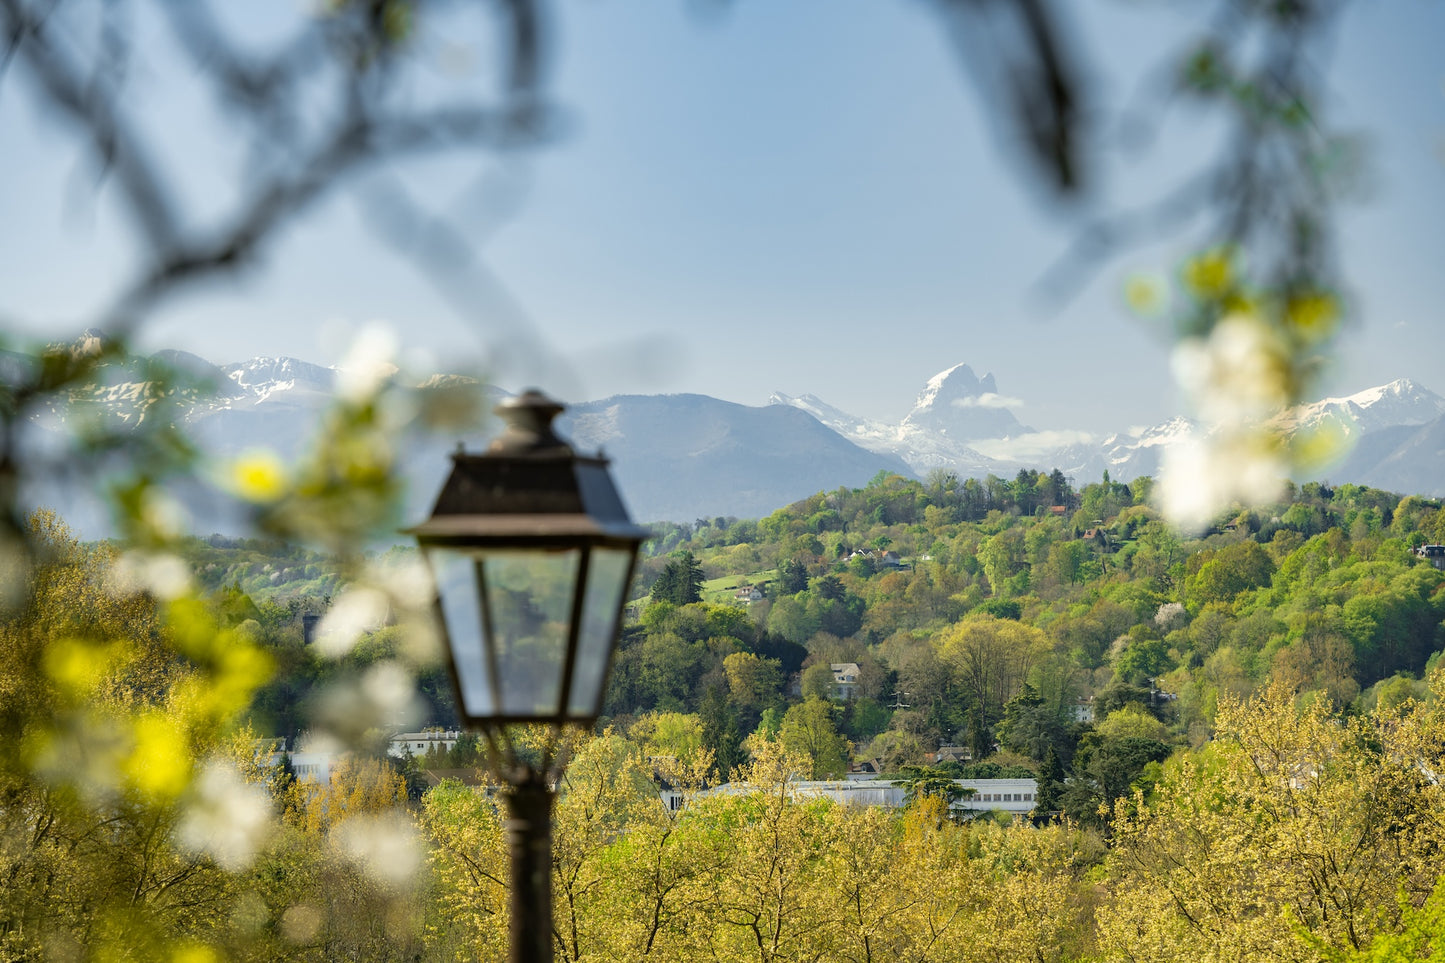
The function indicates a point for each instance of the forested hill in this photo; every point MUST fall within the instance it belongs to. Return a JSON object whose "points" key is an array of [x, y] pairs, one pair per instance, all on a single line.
{"points": [[1070, 633], [999, 615], [1070, 636]]}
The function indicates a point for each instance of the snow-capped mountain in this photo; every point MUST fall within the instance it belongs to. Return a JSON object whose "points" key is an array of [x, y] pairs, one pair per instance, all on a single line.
{"points": [[1402, 458], [1399, 403], [959, 405], [954, 408], [680, 457], [1125, 455], [1392, 433], [281, 380]]}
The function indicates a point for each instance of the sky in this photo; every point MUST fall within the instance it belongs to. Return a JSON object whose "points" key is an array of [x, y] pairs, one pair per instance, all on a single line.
{"points": [[752, 197]]}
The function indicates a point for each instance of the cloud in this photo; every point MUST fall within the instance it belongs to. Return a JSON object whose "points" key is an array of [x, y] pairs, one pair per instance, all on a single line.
{"points": [[988, 400], [1033, 445]]}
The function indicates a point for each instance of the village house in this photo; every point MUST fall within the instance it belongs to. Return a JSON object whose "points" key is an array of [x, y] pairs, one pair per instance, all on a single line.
{"points": [[845, 679], [958, 754], [748, 594]]}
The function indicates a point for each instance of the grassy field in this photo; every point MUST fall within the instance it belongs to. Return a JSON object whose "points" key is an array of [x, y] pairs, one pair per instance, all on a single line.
{"points": [[720, 591]]}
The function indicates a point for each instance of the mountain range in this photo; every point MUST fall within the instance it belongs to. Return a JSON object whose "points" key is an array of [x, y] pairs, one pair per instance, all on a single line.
{"points": [[685, 456], [1393, 436]]}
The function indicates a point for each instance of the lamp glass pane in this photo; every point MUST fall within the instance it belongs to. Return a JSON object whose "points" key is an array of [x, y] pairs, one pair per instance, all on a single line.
{"points": [[601, 609], [530, 597], [456, 578], [517, 671]]}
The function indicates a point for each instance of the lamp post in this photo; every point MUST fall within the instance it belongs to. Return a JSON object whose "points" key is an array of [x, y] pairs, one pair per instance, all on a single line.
{"points": [[532, 552]]}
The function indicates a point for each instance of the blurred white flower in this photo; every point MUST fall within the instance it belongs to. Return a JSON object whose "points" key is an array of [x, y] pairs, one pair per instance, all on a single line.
{"points": [[163, 516], [391, 688], [369, 361], [301, 922], [320, 743], [162, 574], [1237, 379], [385, 846], [406, 578], [228, 819], [1240, 373], [383, 698], [357, 610], [86, 751], [1200, 477]]}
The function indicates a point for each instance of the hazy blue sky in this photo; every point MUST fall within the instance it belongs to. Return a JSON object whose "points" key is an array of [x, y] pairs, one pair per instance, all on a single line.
{"points": [[799, 196]]}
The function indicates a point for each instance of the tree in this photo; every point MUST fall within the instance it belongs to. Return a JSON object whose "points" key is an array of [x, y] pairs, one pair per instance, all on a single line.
{"points": [[1049, 802], [921, 782], [1222, 576], [763, 904], [722, 731], [992, 658], [1066, 561], [1288, 807], [668, 735], [754, 683], [1032, 728], [680, 582], [122, 759], [808, 729], [469, 862], [1002, 557], [792, 577]]}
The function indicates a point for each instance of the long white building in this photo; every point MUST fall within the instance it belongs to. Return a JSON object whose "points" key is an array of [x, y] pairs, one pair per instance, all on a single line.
{"points": [[1016, 796]]}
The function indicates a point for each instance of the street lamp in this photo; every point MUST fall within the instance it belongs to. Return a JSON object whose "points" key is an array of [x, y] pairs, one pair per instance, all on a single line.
{"points": [[532, 552]]}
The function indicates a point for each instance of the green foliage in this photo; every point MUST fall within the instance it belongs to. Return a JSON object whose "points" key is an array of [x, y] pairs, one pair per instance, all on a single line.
{"points": [[919, 782], [680, 582], [1332, 615], [809, 729]]}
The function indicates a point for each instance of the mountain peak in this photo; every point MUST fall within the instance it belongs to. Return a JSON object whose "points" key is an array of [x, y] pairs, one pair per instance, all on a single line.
{"points": [[1400, 390], [956, 382], [957, 404], [1399, 402], [264, 377], [88, 343]]}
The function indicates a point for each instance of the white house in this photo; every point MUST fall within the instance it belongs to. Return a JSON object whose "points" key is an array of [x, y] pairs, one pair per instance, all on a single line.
{"points": [[748, 594], [420, 743], [845, 679]]}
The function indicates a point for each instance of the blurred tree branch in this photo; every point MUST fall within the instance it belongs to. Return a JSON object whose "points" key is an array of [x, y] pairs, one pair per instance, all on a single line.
{"points": [[336, 98], [355, 51], [1269, 188]]}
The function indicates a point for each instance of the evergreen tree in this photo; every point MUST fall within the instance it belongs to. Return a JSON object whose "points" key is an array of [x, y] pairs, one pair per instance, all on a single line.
{"points": [[1051, 786], [792, 577], [680, 582], [720, 731]]}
